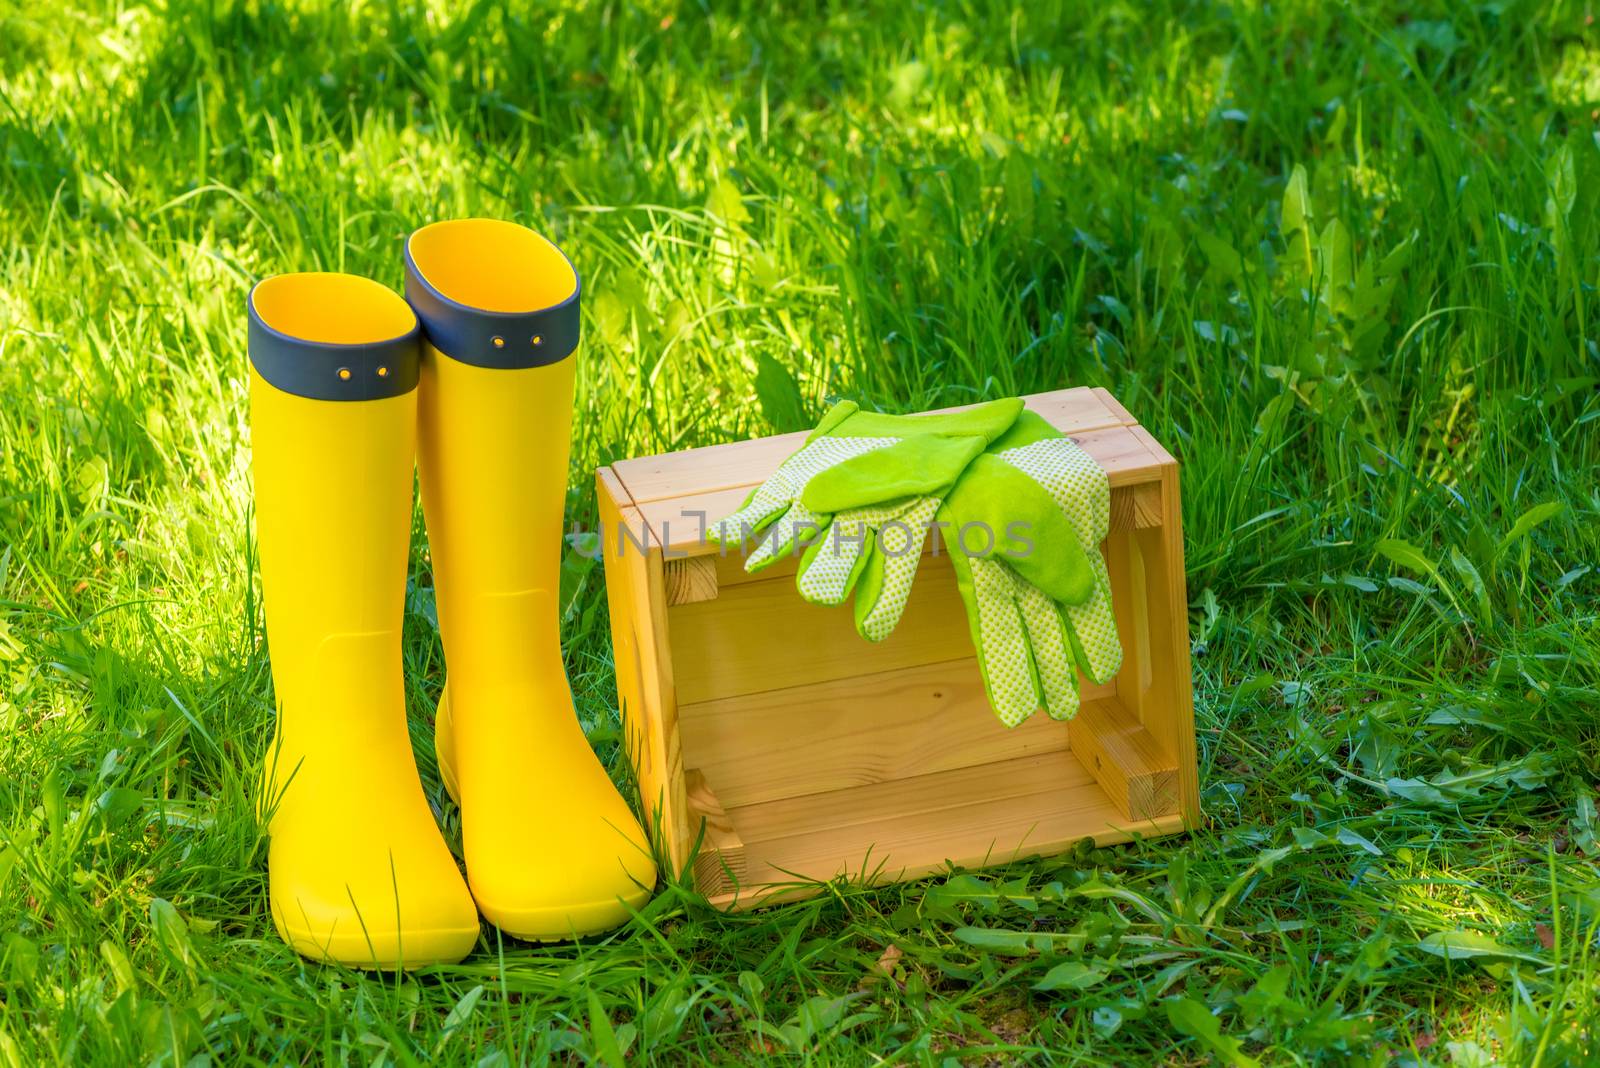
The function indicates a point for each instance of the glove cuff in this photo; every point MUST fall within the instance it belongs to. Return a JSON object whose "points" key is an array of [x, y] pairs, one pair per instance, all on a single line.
{"points": [[988, 421]]}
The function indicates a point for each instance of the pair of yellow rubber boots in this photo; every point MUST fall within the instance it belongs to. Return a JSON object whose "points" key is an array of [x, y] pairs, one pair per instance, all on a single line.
{"points": [[468, 381]]}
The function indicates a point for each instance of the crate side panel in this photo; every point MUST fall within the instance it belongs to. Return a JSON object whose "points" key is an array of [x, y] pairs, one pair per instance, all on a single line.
{"points": [[970, 817], [856, 731], [759, 636]]}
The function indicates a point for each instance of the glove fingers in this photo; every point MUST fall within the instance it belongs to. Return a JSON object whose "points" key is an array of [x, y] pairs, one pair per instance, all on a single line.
{"points": [[1072, 477], [743, 527], [834, 562], [1052, 658], [1003, 644], [1008, 511], [795, 529], [914, 467], [782, 490], [885, 585], [1093, 628]]}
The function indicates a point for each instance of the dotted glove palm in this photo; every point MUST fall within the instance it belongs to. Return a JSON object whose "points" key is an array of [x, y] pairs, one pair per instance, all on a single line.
{"points": [[885, 478], [1031, 621]]}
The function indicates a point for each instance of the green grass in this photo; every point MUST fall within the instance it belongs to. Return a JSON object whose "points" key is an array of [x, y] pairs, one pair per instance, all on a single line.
{"points": [[1343, 261]]}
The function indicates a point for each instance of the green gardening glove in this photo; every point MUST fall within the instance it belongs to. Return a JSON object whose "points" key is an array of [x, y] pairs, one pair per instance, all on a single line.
{"points": [[861, 498], [866, 535], [1031, 640]]}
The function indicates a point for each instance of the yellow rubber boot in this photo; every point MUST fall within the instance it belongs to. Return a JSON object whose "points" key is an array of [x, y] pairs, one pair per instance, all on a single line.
{"points": [[359, 872], [553, 851]]}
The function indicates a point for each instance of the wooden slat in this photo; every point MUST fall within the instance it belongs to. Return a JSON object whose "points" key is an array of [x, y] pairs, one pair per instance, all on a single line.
{"points": [[759, 636], [857, 731], [1131, 506], [679, 522], [1130, 604], [969, 817], [1137, 775], [693, 472], [1136, 505], [988, 786]]}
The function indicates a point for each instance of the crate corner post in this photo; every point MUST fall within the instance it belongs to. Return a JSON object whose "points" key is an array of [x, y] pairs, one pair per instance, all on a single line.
{"points": [[635, 585]]}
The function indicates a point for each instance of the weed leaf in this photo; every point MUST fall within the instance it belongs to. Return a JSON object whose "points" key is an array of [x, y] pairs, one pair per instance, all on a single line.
{"points": [[1470, 945], [1071, 975], [1191, 1018]]}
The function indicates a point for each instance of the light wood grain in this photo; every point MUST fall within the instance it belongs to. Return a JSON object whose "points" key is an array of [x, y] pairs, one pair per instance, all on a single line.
{"points": [[1130, 605], [1168, 709], [679, 522], [693, 472], [856, 731], [968, 817], [759, 636]]}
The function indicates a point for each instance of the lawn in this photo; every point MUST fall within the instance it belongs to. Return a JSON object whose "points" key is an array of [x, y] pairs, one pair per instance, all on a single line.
{"points": [[1341, 260]]}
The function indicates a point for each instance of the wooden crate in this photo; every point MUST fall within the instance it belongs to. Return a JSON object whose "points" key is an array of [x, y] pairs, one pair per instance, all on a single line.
{"points": [[803, 752]]}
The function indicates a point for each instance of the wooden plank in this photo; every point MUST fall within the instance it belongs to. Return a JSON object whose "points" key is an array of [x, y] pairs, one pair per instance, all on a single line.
{"points": [[748, 463], [679, 522], [759, 636], [855, 731], [774, 885], [1131, 506], [969, 817], [1073, 411], [1122, 453], [636, 598], [720, 866], [1139, 777], [933, 796]]}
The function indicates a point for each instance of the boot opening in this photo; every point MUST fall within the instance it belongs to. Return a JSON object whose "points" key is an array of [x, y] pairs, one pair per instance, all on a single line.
{"points": [[332, 309], [492, 265]]}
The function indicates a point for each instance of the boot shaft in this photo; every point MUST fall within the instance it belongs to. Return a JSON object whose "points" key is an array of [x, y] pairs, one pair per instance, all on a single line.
{"points": [[333, 444], [500, 307]]}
